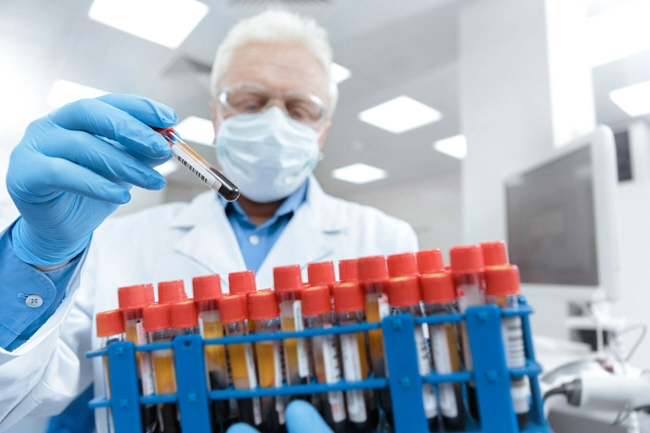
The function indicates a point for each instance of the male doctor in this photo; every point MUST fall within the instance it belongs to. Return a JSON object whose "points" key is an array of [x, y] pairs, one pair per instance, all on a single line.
{"points": [[61, 262]]}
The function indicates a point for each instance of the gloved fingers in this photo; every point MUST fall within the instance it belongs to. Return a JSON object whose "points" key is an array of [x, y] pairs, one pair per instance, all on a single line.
{"points": [[103, 158], [147, 111], [241, 428], [302, 417], [99, 118]]}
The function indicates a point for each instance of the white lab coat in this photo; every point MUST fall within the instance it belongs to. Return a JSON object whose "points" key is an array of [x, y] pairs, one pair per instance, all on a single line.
{"points": [[172, 241]]}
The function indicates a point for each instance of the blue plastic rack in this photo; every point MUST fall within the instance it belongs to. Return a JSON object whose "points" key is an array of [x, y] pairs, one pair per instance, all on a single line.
{"points": [[490, 374]]}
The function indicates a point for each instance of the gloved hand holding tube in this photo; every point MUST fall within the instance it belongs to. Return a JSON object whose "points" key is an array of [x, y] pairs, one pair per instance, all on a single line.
{"points": [[76, 165]]}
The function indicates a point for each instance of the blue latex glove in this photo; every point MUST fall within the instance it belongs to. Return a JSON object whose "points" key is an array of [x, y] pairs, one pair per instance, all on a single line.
{"points": [[75, 166], [301, 418]]}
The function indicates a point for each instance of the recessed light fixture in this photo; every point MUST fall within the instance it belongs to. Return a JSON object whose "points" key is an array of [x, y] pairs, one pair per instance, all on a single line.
{"points": [[167, 168], [455, 146], [634, 100], [64, 92], [164, 22], [359, 173], [340, 73], [400, 115], [196, 129], [618, 32]]}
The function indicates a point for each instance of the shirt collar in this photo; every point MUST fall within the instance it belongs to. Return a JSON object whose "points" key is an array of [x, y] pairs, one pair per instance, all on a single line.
{"points": [[289, 205]]}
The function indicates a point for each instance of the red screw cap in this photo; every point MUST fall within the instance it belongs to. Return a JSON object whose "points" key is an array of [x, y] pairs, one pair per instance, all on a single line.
{"points": [[372, 269], [494, 253], [207, 288], [110, 323], [348, 270], [502, 280], [348, 297], [183, 315], [233, 308], [262, 305], [467, 259], [403, 291], [437, 288], [135, 297], [171, 291], [287, 279], [321, 274], [316, 300], [401, 265], [430, 261], [242, 282], [156, 317]]}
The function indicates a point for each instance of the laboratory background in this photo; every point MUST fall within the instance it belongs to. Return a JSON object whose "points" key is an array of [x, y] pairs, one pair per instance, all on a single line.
{"points": [[471, 120]]}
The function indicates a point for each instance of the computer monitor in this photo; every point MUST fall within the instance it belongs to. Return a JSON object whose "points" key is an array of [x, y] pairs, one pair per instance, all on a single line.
{"points": [[561, 221]]}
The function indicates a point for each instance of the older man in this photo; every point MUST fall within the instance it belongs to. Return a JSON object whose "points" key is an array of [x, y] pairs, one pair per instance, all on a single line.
{"points": [[273, 101]]}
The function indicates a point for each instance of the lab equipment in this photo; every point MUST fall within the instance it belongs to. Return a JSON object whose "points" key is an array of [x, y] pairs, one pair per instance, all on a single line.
{"points": [[321, 274], [199, 165], [110, 328], [348, 270], [242, 282], [361, 404], [171, 291], [184, 320], [494, 253], [430, 261], [439, 298], [325, 362]]}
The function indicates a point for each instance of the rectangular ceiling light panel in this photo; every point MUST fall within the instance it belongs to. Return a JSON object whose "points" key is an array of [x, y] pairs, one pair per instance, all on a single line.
{"points": [[196, 130], [164, 22], [634, 100], [64, 92], [359, 173], [455, 146], [400, 115]]}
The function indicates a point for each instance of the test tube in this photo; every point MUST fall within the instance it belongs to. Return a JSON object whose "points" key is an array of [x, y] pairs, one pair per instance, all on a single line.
{"points": [[171, 291], [131, 300], [494, 253], [373, 276], [184, 319], [439, 299], [207, 292], [348, 270], [288, 287], [317, 313], [361, 404], [110, 328], [156, 322], [404, 297], [467, 270], [502, 289], [234, 313], [264, 312], [430, 261], [199, 165], [243, 282], [321, 274]]}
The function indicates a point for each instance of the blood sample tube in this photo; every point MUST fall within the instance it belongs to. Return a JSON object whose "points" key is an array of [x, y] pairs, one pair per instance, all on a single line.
{"points": [[467, 270], [156, 322], [404, 297], [373, 276], [321, 274], [199, 165], [439, 299], [110, 328], [348, 270], [494, 253], [502, 289], [234, 313], [264, 312], [243, 282], [317, 313], [430, 261], [207, 292], [131, 300], [288, 287], [361, 404], [401, 265], [171, 291]]}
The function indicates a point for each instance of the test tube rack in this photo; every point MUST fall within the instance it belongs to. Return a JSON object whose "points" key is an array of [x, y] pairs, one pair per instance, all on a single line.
{"points": [[490, 374]]}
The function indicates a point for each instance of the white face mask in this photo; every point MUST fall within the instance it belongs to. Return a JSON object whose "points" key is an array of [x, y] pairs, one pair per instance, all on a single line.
{"points": [[267, 155]]}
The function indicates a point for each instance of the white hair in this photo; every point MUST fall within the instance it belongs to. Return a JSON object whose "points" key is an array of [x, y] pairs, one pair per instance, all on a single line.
{"points": [[276, 26]]}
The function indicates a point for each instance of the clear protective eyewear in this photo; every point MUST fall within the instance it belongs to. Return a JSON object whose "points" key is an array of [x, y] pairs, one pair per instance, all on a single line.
{"points": [[250, 98]]}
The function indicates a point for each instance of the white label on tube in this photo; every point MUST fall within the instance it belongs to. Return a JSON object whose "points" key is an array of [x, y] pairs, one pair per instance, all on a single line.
{"points": [[303, 360], [519, 392], [146, 370], [257, 410], [205, 175], [277, 365], [469, 295], [333, 375], [384, 306], [442, 363], [252, 382], [513, 341], [424, 367], [352, 373]]}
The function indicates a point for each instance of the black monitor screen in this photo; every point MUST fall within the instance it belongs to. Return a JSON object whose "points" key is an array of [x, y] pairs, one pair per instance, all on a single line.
{"points": [[551, 222]]}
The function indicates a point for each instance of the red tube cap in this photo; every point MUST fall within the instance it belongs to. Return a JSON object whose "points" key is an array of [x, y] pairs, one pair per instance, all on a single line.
{"points": [[348, 297], [110, 323], [502, 280], [316, 300], [467, 259], [183, 315], [348, 270], [156, 317], [494, 253], [171, 291], [403, 291], [437, 288], [207, 288], [242, 282], [401, 265], [430, 261], [135, 297], [262, 305], [372, 269], [321, 274], [287, 278], [233, 308]]}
